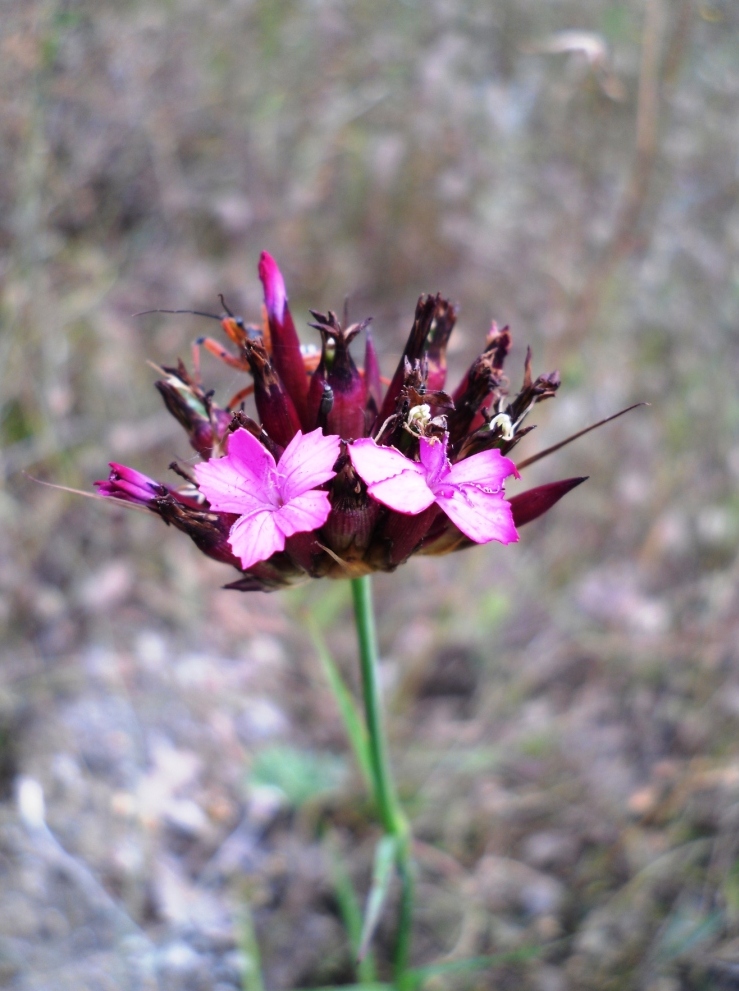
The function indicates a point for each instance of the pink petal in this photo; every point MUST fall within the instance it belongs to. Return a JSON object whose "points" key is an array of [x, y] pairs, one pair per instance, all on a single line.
{"points": [[391, 478], [253, 457], [376, 464], [434, 459], [306, 512], [226, 488], [307, 461], [405, 493], [255, 538], [488, 468], [241, 482], [480, 515]]}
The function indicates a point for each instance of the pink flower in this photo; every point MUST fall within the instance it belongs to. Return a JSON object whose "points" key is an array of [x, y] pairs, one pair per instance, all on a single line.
{"points": [[273, 500], [469, 492]]}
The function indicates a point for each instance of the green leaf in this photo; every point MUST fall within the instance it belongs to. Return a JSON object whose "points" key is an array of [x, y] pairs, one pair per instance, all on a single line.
{"points": [[417, 976], [251, 974], [730, 890], [382, 874], [325, 610], [351, 912], [299, 774], [685, 929], [350, 713]]}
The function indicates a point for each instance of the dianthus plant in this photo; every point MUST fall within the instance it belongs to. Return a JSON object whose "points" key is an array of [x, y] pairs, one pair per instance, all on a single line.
{"points": [[341, 473]]}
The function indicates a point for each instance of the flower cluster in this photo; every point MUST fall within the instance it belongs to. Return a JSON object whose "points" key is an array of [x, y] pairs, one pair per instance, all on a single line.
{"points": [[336, 478]]}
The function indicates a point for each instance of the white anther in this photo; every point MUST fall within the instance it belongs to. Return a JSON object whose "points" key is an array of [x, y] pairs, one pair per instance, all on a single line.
{"points": [[419, 416], [505, 423]]}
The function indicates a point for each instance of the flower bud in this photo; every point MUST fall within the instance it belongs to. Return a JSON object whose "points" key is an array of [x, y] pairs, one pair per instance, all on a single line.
{"points": [[427, 309], [130, 485], [484, 381], [286, 354], [205, 423], [347, 415], [372, 377], [403, 535], [445, 318], [349, 528], [274, 404]]}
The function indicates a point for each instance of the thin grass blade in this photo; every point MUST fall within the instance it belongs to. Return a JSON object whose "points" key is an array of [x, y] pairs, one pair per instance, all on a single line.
{"points": [[350, 714], [416, 977], [351, 912], [382, 875], [251, 974]]}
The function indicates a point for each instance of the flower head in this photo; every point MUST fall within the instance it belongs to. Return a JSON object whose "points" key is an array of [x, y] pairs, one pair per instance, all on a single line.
{"points": [[336, 479]]}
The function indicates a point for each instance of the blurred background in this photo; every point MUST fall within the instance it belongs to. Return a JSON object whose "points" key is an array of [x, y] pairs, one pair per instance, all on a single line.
{"points": [[175, 783]]}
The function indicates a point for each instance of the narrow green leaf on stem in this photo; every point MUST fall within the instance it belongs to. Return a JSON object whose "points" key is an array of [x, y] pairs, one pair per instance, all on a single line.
{"points": [[351, 912], [350, 713], [382, 875]]}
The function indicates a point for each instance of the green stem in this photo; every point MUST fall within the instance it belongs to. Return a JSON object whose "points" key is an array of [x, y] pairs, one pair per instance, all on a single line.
{"points": [[391, 814]]}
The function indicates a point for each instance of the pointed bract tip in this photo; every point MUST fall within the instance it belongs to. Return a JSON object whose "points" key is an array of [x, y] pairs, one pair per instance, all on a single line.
{"points": [[533, 503], [275, 295]]}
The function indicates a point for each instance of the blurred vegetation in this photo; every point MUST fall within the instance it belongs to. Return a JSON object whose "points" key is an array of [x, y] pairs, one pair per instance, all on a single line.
{"points": [[564, 713]]}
